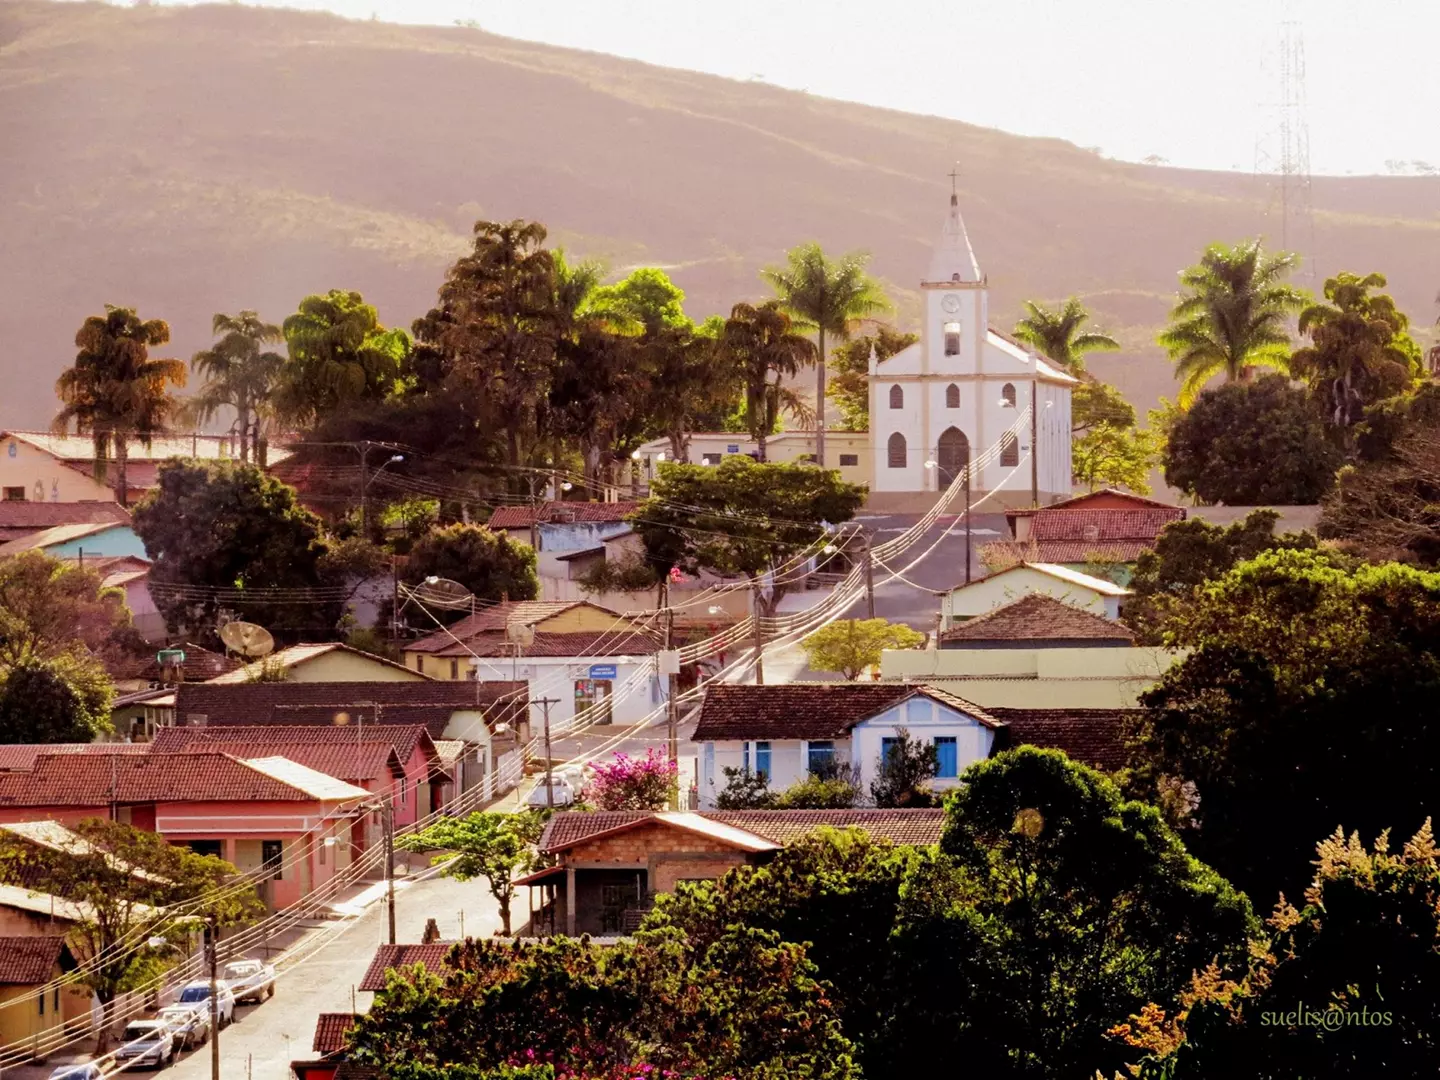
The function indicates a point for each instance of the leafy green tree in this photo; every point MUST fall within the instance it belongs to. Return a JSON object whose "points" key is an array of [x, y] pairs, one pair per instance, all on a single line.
{"points": [[489, 564], [39, 704], [1231, 316], [829, 296], [1360, 350], [836, 788], [339, 355], [850, 372], [1112, 456], [123, 907], [1093, 403], [115, 392], [1307, 686], [745, 790], [51, 609], [217, 529], [1251, 443], [849, 646], [1187, 555], [906, 768], [495, 847], [759, 342], [1059, 334], [239, 374], [740, 517], [1067, 907]]}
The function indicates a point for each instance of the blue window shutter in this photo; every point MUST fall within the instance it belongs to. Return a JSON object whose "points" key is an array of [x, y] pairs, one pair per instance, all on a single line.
{"points": [[762, 760], [945, 751], [886, 745]]}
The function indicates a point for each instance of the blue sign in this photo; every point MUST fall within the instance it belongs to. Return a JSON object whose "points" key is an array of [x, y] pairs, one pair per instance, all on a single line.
{"points": [[733, 448], [602, 671]]}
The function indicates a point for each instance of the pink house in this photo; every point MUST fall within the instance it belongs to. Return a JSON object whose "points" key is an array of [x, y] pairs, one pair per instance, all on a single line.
{"points": [[253, 812]]}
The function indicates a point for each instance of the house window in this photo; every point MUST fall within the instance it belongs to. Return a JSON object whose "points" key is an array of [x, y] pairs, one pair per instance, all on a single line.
{"points": [[204, 847], [14, 494], [952, 339], [895, 451], [757, 759], [41, 999], [945, 753], [897, 397], [454, 669], [1007, 395], [420, 664], [849, 459], [888, 745], [710, 459], [1009, 451], [820, 757], [323, 846], [952, 396], [271, 856]]}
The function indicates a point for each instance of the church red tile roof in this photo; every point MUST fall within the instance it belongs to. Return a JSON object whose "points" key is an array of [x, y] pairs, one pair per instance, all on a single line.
{"points": [[1039, 616]]}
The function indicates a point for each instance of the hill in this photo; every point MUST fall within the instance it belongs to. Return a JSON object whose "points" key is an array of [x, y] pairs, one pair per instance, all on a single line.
{"points": [[194, 160]]}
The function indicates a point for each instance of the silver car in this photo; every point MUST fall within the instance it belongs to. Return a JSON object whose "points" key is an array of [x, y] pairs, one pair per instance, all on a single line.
{"points": [[250, 980], [190, 1023], [146, 1043]]}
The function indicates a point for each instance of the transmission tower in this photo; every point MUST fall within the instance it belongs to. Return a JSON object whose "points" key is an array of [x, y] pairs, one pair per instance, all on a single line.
{"points": [[1282, 153]]}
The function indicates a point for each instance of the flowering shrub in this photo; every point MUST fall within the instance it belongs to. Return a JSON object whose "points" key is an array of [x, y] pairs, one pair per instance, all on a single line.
{"points": [[628, 783]]}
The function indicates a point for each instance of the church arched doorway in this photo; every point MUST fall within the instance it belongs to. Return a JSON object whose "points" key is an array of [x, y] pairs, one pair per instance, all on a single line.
{"points": [[952, 455]]}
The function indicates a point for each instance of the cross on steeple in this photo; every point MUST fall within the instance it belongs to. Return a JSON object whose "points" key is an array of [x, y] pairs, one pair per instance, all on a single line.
{"points": [[954, 185]]}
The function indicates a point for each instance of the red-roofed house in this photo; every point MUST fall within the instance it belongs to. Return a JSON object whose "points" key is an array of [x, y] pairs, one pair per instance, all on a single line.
{"points": [[28, 1013], [22, 516], [1102, 527], [247, 811]]}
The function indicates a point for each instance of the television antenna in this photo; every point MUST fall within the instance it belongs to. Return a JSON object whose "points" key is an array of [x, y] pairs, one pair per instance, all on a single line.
{"points": [[248, 639]]}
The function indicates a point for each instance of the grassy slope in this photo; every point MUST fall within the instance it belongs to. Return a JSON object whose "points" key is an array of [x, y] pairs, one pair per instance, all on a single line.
{"points": [[196, 160]]}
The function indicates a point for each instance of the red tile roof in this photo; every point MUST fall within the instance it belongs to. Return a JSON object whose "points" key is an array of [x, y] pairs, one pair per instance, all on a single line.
{"points": [[1101, 525], [344, 761], [431, 957], [20, 757], [809, 710], [1039, 616], [519, 517], [1093, 736], [200, 665], [403, 738], [20, 516], [1104, 498], [618, 642], [27, 961], [570, 828], [1065, 551], [330, 1031], [97, 780], [403, 703]]}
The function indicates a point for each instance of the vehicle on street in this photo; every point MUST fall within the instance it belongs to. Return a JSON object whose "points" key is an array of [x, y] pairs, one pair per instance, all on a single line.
{"points": [[190, 1023], [564, 794], [198, 993], [81, 1070], [146, 1043], [250, 980], [576, 777]]}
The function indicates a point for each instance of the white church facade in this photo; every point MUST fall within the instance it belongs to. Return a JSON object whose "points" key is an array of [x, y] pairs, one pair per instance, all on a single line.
{"points": [[961, 388]]}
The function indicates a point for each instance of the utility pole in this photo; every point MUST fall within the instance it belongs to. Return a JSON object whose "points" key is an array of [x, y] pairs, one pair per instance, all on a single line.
{"points": [[869, 576], [967, 522], [212, 944], [1034, 442], [545, 704], [672, 704], [364, 454], [389, 811], [759, 635]]}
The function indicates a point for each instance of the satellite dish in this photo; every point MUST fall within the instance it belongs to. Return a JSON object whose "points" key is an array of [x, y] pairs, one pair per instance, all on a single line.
{"points": [[247, 639], [442, 593]]}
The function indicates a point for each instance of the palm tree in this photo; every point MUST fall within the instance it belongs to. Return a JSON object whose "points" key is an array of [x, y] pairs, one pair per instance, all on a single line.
{"points": [[238, 374], [114, 391], [829, 297], [1233, 319], [1058, 335], [339, 356], [758, 342]]}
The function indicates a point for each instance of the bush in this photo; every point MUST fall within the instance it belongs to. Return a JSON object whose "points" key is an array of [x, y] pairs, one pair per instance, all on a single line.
{"points": [[745, 791], [1246, 444], [627, 783], [836, 789]]}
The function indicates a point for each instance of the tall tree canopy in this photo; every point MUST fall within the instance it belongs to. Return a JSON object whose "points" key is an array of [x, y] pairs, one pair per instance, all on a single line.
{"points": [[489, 564], [828, 296], [339, 356], [115, 391], [240, 374], [1360, 350], [758, 343], [1059, 334], [1305, 701], [1231, 316]]}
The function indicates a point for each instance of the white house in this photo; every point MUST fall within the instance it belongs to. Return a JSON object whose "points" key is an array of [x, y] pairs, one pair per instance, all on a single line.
{"points": [[787, 731], [963, 387], [1078, 589]]}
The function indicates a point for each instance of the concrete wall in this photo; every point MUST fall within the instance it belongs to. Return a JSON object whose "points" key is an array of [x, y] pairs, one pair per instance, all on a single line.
{"points": [[341, 666], [788, 763], [712, 447], [21, 465], [991, 592], [119, 540]]}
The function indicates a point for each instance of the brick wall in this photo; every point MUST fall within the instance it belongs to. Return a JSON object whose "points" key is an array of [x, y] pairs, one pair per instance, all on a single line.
{"points": [[666, 872], [635, 846]]}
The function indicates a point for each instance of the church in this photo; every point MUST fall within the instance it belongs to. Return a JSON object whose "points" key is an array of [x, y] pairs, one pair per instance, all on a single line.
{"points": [[961, 388]]}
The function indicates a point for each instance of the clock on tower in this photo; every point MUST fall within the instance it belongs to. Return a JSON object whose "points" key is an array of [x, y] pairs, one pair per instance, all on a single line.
{"points": [[950, 302]]}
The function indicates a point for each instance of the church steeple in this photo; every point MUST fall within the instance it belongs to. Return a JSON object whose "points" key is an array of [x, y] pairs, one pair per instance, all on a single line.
{"points": [[953, 260]]}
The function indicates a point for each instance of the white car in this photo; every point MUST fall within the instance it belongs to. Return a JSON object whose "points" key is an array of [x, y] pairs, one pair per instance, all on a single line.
{"points": [[198, 993], [146, 1043], [576, 775], [190, 1023], [84, 1070], [564, 794], [250, 980]]}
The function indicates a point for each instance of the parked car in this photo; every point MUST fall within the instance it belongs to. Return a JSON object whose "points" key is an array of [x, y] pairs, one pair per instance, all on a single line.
{"points": [[146, 1043], [576, 777], [82, 1070], [198, 993], [190, 1023], [250, 980], [564, 794]]}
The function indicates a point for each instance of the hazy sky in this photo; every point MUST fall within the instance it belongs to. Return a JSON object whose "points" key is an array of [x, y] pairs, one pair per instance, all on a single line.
{"points": [[1195, 83]]}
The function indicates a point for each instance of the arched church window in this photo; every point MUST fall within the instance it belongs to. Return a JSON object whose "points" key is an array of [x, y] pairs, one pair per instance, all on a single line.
{"points": [[895, 450], [1007, 395], [1009, 451], [952, 339], [897, 397], [952, 396]]}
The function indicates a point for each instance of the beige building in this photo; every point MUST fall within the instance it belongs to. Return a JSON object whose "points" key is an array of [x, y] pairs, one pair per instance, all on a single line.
{"points": [[328, 661], [1075, 588], [848, 451]]}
